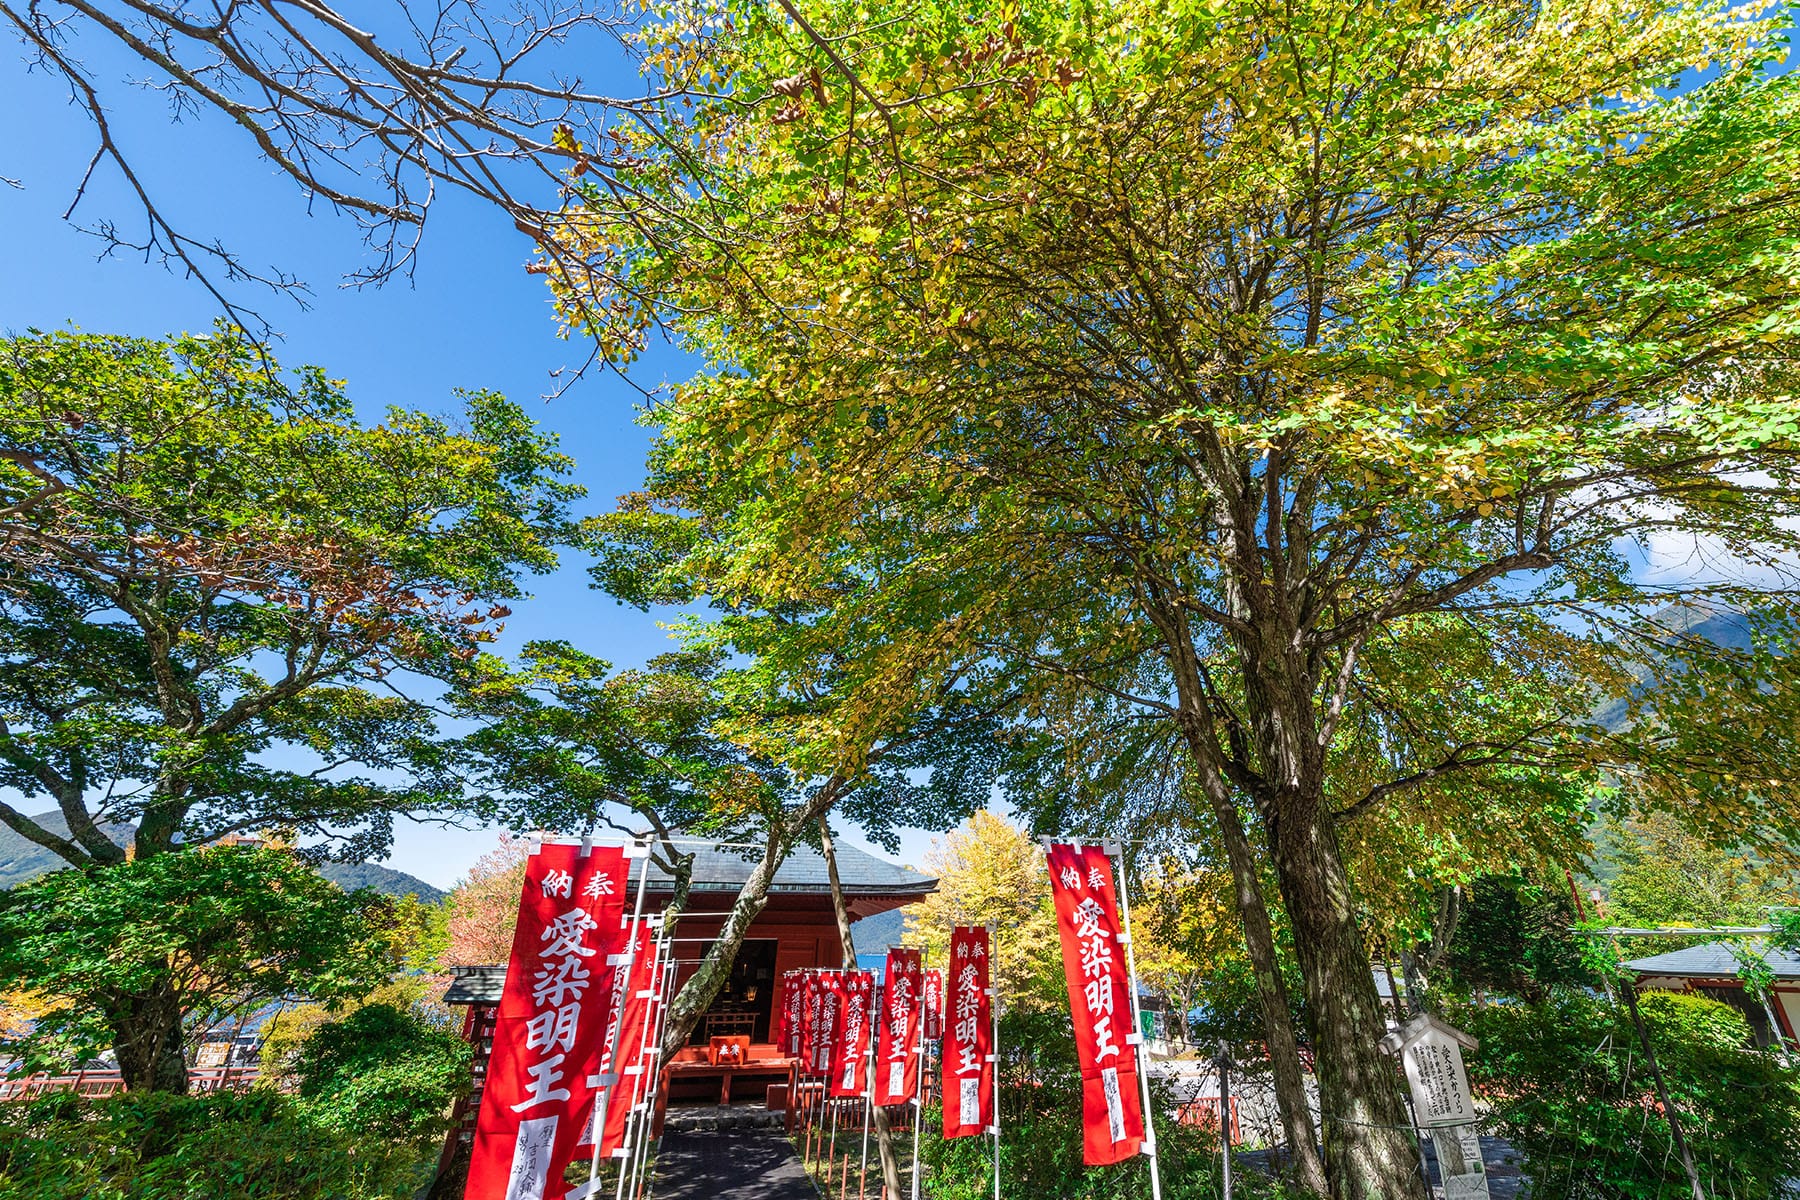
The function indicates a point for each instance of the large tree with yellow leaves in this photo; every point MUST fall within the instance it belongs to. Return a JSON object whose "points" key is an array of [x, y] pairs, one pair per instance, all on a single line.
{"points": [[1301, 377]]}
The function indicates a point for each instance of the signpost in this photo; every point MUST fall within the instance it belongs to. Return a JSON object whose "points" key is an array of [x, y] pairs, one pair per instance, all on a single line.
{"points": [[1431, 1052]]}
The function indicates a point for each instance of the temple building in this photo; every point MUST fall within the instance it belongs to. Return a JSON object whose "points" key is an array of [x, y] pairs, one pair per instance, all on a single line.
{"points": [[796, 928]]}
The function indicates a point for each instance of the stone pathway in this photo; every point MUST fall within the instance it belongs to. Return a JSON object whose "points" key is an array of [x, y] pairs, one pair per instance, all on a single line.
{"points": [[730, 1164]]}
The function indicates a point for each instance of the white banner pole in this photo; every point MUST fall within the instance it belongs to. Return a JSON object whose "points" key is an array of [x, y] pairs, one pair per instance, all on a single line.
{"points": [[994, 1016], [1137, 1022], [662, 977], [610, 1055], [634, 1122], [918, 1100]]}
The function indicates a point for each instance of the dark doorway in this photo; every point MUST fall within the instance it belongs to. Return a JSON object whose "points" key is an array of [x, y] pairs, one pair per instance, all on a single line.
{"points": [[744, 1004]]}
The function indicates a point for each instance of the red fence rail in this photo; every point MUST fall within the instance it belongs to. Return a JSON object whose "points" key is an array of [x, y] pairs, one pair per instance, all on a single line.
{"points": [[105, 1083]]}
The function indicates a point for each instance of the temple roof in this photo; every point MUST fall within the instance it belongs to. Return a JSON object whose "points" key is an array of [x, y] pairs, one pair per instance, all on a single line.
{"points": [[859, 874], [1712, 961]]}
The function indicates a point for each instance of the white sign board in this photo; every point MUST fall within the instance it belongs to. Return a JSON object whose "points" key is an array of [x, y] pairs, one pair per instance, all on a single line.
{"points": [[1440, 1085]]}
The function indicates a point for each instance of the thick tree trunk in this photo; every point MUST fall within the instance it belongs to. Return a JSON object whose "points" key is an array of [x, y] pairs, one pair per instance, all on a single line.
{"points": [[1271, 992], [698, 993], [1368, 1151], [884, 1140], [146, 1029]]}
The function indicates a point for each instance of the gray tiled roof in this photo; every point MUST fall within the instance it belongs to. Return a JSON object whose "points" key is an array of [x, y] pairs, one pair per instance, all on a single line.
{"points": [[804, 871], [476, 985], [1713, 961]]}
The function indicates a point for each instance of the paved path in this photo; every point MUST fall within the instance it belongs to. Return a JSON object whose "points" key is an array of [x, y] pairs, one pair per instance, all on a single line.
{"points": [[737, 1164]]}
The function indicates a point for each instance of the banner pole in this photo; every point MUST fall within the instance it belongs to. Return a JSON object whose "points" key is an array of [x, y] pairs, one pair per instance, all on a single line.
{"points": [[994, 1016], [610, 1055], [918, 1100], [627, 1152], [869, 1083], [652, 1080], [1137, 1021]]}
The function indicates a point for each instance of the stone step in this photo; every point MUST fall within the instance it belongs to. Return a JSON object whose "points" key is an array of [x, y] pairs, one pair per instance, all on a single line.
{"points": [[711, 1118]]}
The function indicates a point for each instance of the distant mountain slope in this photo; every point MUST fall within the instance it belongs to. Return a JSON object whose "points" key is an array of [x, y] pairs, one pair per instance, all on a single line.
{"points": [[873, 935], [22, 859]]}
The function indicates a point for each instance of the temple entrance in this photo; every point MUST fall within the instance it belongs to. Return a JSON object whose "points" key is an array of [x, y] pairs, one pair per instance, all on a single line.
{"points": [[745, 1005]]}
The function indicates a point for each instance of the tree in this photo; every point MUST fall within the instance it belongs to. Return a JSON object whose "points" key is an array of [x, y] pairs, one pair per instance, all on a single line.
{"points": [[1662, 874], [131, 953], [1516, 936], [1211, 354], [484, 906], [215, 586], [1184, 931], [991, 872]]}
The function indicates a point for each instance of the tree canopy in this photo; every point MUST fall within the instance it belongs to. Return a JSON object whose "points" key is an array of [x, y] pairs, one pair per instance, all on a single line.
{"points": [[204, 562], [1263, 370]]}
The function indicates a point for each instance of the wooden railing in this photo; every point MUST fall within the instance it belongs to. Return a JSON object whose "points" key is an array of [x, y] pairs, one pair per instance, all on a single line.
{"points": [[105, 1083]]}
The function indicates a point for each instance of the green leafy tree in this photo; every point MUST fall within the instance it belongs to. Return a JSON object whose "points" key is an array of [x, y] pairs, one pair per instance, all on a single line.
{"points": [[1516, 936], [131, 954], [216, 583], [1569, 1089], [381, 1070], [1246, 345], [1665, 874]]}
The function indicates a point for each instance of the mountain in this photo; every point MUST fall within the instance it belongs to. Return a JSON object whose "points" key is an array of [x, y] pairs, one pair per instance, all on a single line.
{"points": [[873, 935], [22, 859]]}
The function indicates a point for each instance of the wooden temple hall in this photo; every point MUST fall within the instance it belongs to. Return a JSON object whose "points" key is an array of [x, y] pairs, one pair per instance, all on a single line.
{"points": [[796, 928]]}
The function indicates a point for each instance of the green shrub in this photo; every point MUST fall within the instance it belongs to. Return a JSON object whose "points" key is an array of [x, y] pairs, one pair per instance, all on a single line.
{"points": [[218, 1146], [382, 1071], [1040, 1135], [1572, 1092]]}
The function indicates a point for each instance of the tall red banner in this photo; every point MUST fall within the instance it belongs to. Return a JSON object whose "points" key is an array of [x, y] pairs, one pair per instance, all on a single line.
{"points": [[850, 1051], [824, 1023], [793, 1013], [1087, 918], [934, 1004], [630, 1015], [897, 1052], [969, 1036], [550, 1030]]}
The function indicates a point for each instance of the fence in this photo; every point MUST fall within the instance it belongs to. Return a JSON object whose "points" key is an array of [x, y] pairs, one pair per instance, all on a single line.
{"points": [[106, 1083]]}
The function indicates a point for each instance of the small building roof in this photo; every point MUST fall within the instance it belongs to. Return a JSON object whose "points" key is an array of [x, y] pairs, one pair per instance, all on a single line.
{"points": [[859, 874], [476, 985], [1712, 961]]}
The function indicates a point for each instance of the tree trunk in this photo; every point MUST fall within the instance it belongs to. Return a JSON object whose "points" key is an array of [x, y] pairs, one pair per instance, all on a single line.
{"points": [[1368, 1153], [1271, 992], [884, 1140], [697, 994], [146, 1028]]}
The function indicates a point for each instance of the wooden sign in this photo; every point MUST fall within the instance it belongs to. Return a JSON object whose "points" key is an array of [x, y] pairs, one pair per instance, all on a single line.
{"points": [[1431, 1051]]}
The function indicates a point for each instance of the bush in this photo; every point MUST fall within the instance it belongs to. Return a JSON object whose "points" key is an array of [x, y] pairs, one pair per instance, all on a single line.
{"points": [[382, 1071], [1573, 1094], [218, 1146], [1040, 1134]]}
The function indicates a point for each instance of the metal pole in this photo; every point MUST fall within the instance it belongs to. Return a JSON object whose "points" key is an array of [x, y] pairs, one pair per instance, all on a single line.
{"points": [[869, 1084], [661, 979], [994, 1014], [1225, 1118], [610, 1056], [634, 1095], [1629, 987], [1137, 1026], [918, 1100]]}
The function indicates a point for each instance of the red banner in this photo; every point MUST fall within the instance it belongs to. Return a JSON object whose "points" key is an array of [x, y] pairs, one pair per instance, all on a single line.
{"points": [[793, 1013], [550, 1029], [897, 1053], [625, 1036], [822, 1009], [1087, 917], [969, 1036], [934, 1004], [850, 1051]]}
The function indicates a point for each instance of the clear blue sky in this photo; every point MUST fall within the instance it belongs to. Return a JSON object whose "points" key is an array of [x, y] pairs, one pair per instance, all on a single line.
{"points": [[472, 317]]}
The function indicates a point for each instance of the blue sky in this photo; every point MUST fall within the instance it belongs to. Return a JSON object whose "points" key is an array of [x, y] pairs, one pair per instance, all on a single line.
{"points": [[471, 317]]}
